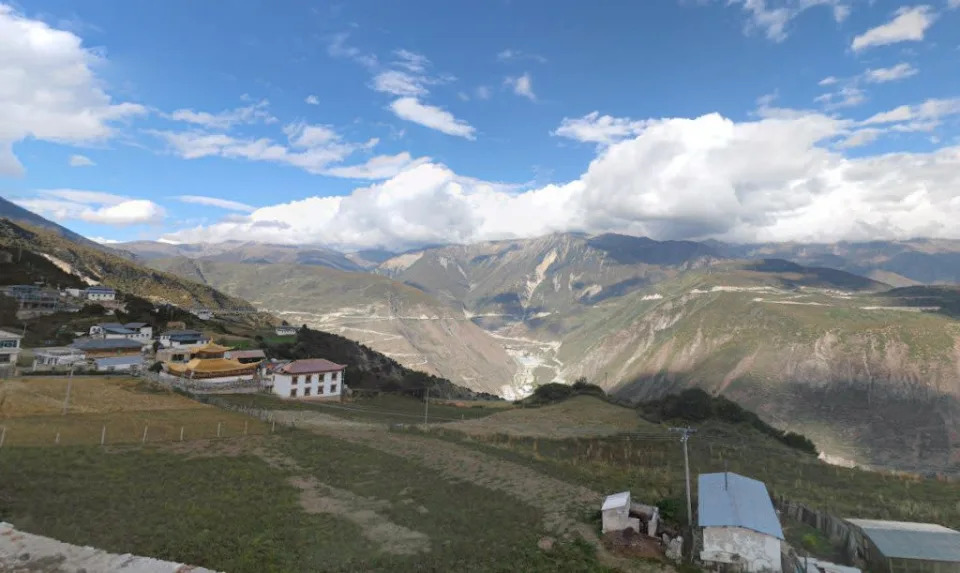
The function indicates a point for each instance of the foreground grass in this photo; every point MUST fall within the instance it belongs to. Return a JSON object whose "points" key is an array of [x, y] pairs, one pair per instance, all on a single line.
{"points": [[652, 468], [385, 409], [225, 508]]}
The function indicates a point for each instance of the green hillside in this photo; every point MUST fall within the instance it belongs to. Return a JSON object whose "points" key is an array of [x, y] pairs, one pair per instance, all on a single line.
{"points": [[98, 265]]}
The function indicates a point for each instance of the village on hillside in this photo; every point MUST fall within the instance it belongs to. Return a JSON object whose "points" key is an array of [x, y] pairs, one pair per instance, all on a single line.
{"points": [[737, 524], [173, 355]]}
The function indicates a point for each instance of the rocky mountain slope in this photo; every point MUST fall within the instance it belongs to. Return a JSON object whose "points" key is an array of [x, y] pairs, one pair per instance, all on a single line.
{"points": [[91, 265], [17, 214], [899, 263], [243, 252], [400, 321]]}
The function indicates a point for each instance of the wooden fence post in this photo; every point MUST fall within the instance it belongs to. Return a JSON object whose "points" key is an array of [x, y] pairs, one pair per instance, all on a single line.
{"points": [[103, 435], [57, 439], [273, 426], [144, 439], [218, 429], [181, 433], [3, 435], [244, 427]]}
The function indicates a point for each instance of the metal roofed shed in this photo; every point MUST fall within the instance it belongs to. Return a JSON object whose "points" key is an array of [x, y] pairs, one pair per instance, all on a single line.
{"points": [[740, 525], [904, 547]]}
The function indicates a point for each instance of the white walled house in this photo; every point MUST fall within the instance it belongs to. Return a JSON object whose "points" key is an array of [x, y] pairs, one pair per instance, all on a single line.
{"points": [[309, 378], [740, 526], [286, 330], [100, 293], [9, 349], [114, 330]]}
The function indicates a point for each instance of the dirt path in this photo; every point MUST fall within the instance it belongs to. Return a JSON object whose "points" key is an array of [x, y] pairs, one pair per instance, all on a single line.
{"points": [[364, 512], [28, 553], [561, 503]]}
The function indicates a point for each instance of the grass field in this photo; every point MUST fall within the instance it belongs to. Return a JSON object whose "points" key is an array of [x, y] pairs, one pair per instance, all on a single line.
{"points": [[343, 493], [384, 409], [31, 413]]}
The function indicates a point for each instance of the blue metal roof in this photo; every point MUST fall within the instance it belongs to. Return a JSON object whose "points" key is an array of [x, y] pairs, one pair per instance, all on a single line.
{"points": [[115, 361], [905, 540], [732, 500], [106, 344]]}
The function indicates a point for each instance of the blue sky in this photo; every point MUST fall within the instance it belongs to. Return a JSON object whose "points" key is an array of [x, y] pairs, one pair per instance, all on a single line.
{"points": [[376, 124]]}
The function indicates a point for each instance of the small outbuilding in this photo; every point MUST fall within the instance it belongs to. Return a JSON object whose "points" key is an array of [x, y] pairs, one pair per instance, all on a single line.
{"points": [[616, 513], [904, 547], [740, 526]]}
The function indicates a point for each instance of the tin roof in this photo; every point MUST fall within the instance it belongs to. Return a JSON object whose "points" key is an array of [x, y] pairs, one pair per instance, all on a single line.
{"points": [[100, 289], [732, 500], [181, 333], [117, 361], [904, 540], [256, 353], [311, 366], [8, 334], [106, 344], [616, 500]]}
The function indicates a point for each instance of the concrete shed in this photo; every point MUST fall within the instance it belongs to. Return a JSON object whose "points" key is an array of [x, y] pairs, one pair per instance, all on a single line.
{"points": [[740, 526], [904, 547], [616, 513]]}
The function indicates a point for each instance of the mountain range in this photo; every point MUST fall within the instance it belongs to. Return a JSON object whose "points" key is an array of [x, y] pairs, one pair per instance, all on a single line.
{"points": [[870, 371], [853, 344]]}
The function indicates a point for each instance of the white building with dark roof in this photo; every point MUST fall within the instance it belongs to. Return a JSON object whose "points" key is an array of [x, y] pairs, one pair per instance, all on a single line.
{"points": [[309, 378], [740, 526], [100, 293]]}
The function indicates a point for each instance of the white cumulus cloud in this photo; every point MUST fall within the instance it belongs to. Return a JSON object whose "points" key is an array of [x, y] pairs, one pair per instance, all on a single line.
{"points": [[379, 167], [80, 161], [216, 202], [522, 86], [778, 178], [312, 100], [909, 24], [411, 109], [773, 16], [253, 113], [50, 91], [93, 207], [596, 128], [891, 74]]}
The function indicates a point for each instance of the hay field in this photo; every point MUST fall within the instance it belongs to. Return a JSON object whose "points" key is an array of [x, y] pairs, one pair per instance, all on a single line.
{"points": [[31, 413]]}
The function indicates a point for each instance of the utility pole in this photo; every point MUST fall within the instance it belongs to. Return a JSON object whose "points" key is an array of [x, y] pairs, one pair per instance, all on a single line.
{"points": [[426, 403], [684, 438], [66, 400]]}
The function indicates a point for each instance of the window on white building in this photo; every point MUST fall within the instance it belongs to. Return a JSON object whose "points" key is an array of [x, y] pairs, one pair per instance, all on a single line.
{"points": [[333, 388], [295, 380], [293, 392], [309, 378], [306, 391]]}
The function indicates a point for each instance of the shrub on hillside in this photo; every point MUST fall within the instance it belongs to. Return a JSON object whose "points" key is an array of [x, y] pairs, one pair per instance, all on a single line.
{"points": [[695, 405]]}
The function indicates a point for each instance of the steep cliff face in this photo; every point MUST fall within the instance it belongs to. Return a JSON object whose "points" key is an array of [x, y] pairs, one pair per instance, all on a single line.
{"points": [[868, 382]]}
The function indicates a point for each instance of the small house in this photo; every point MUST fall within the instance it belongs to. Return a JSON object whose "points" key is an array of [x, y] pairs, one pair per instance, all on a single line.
{"points": [[309, 378], [740, 526], [101, 347], [253, 356], [173, 338], [904, 547], [119, 364], [616, 513], [100, 293], [286, 330], [9, 349], [57, 356], [131, 330], [202, 313]]}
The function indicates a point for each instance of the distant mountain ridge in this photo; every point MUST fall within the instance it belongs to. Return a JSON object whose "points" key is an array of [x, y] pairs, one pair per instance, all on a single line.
{"points": [[17, 214]]}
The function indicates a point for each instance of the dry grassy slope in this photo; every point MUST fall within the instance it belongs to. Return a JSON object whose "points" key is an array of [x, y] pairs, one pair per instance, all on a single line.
{"points": [[876, 386], [400, 321], [114, 270]]}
